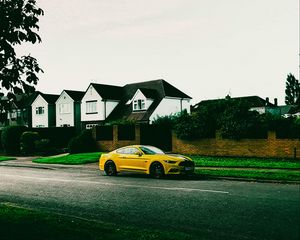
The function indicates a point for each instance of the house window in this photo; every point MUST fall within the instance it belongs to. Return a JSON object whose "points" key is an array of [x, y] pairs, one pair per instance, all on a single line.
{"points": [[90, 126], [39, 110], [91, 107], [64, 108], [139, 105], [18, 113], [13, 115]]}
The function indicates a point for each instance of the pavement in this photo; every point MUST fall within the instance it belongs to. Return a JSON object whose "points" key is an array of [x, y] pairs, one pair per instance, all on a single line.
{"points": [[208, 209]]}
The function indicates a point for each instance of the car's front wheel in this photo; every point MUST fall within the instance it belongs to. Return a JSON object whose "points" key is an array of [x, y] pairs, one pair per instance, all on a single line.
{"points": [[157, 170], [110, 168]]}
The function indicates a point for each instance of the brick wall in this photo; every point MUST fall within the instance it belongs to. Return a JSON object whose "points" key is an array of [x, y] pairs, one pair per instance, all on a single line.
{"points": [[115, 143], [271, 147]]}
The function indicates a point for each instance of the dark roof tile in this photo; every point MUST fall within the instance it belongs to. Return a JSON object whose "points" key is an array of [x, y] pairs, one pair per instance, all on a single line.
{"points": [[108, 91], [50, 98], [75, 95]]}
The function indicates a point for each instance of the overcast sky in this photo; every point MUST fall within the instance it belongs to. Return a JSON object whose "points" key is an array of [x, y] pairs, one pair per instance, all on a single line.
{"points": [[206, 48]]}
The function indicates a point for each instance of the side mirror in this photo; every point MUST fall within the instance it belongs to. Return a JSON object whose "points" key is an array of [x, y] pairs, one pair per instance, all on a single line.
{"points": [[140, 154]]}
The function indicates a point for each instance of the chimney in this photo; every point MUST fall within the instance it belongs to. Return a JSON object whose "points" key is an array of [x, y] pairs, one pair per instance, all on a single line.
{"points": [[267, 101], [275, 102]]}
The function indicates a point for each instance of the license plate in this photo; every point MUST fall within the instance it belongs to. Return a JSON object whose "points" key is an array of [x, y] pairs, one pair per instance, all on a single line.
{"points": [[188, 168]]}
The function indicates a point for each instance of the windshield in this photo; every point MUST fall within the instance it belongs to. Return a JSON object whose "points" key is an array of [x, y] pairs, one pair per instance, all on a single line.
{"points": [[151, 150]]}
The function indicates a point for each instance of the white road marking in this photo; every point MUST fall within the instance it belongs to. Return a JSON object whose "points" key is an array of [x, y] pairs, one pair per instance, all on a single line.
{"points": [[117, 184]]}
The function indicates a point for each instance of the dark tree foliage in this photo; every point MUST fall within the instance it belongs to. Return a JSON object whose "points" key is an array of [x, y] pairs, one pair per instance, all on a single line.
{"points": [[84, 142], [18, 23], [292, 90], [238, 122], [10, 137], [27, 142], [231, 117]]}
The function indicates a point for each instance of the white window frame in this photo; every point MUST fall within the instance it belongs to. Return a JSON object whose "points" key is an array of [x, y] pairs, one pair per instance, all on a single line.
{"points": [[39, 110], [64, 108], [90, 126], [139, 104], [91, 107], [13, 114]]}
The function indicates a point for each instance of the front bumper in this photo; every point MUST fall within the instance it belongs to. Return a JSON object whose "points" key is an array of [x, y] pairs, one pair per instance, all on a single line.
{"points": [[185, 167]]}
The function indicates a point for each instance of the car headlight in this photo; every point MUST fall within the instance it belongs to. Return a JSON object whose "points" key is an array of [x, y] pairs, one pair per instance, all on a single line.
{"points": [[170, 161]]}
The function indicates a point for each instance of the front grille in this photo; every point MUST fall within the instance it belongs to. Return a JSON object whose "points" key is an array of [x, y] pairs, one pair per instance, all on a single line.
{"points": [[187, 164]]}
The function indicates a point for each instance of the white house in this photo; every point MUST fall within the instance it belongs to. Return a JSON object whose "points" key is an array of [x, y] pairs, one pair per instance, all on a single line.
{"points": [[145, 101], [139, 102], [68, 108], [43, 110], [98, 102]]}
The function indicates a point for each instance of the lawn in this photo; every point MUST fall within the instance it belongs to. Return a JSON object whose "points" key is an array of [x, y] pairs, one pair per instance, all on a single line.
{"points": [[21, 223], [6, 158], [249, 168], [202, 161], [80, 158], [269, 174]]}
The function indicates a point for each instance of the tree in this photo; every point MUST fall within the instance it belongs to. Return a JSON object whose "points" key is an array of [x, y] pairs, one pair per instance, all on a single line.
{"points": [[18, 23], [292, 90]]}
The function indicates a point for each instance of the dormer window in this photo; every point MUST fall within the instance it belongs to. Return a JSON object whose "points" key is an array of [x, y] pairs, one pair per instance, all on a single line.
{"points": [[139, 104]]}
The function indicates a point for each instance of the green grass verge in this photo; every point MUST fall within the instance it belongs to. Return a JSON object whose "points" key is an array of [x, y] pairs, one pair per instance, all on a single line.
{"points": [[201, 161], [6, 158], [272, 174], [80, 158], [20, 223]]}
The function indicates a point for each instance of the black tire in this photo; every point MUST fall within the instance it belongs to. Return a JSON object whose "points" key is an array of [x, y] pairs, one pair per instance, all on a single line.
{"points": [[110, 168], [157, 170]]}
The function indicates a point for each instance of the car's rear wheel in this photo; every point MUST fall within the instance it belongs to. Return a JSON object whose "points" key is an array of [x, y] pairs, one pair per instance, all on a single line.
{"points": [[157, 170], [110, 168]]}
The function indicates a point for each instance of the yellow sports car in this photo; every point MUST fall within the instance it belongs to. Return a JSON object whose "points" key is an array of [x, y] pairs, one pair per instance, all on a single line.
{"points": [[144, 159]]}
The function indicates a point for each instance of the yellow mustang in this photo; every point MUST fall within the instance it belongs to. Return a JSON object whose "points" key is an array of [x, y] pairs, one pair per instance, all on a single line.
{"points": [[144, 159]]}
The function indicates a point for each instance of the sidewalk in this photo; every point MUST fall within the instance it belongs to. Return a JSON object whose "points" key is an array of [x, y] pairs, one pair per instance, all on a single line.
{"points": [[27, 162]]}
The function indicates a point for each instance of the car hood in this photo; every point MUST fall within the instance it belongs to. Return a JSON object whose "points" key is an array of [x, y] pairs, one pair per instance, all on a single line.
{"points": [[177, 157]]}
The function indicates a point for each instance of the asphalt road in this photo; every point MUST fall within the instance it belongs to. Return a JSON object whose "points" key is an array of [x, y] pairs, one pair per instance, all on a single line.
{"points": [[212, 209]]}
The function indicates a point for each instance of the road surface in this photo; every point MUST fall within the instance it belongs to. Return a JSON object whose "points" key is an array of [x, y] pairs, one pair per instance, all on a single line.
{"points": [[215, 209]]}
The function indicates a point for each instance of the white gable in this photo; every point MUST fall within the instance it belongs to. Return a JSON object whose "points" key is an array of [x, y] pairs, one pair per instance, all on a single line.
{"points": [[91, 94], [39, 112], [64, 110], [64, 97], [39, 100], [169, 106], [140, 96]]}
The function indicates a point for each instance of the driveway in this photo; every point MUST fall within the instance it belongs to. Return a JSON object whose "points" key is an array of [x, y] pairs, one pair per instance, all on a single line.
{"points": [[206, 208]]}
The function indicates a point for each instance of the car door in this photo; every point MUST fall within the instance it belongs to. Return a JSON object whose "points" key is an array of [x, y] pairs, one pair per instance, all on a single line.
{"points": [[132, 159]]}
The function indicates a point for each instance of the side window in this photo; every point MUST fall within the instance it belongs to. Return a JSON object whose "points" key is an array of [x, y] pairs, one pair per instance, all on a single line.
{"points": [[133, 151], [128, 151]]}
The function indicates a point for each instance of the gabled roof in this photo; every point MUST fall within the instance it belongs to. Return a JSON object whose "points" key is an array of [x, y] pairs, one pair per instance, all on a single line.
{"points": [[108, 92], [27, 99], [75, 95], [50, 98], [171, 91], [250, 101], [162, 88], [149, 93], [155, 89]]}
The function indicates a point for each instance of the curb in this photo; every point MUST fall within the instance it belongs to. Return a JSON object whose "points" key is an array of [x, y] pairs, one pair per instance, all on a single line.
{"points": [[254, 180]]}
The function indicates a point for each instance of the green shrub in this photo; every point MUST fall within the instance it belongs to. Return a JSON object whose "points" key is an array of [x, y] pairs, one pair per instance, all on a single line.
{"points": [[44, 147], [84, 142], [120, 122], [10, 138], [27, 142], [165, 121]]}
